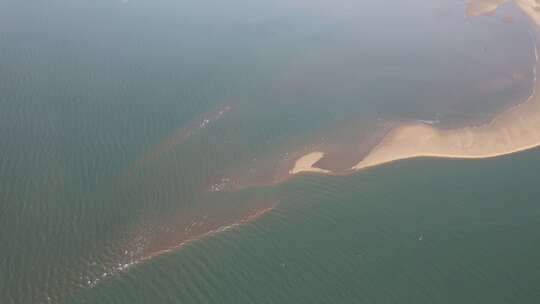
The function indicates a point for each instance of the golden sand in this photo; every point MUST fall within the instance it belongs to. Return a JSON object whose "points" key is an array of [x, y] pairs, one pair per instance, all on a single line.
{"points": [[512, 131], [515, 130], [306, 162]]}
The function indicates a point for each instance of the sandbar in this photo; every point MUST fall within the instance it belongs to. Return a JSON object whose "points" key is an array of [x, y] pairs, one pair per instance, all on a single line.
{"points": [[306, 162], [515, 130]]}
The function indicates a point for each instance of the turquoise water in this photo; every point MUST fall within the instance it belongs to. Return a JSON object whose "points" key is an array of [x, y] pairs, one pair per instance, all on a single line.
{"points": [[127, 128]]}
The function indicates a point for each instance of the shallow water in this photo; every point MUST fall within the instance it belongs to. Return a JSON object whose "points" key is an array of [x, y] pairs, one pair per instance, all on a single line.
{"points": [[125, 128]]}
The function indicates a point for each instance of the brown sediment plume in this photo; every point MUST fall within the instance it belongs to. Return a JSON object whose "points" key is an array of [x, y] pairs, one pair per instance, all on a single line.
{"points": [[515, 130], [174, 245], [508, 19], [215, 212], [345, 147], [269, 171]]}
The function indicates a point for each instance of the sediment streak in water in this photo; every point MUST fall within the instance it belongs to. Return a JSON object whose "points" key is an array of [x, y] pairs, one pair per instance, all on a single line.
{"points": [[122, 267]]}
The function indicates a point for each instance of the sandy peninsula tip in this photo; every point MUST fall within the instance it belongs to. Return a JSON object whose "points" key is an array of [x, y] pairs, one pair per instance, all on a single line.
{"points": [[515, 130], [306, 164]]}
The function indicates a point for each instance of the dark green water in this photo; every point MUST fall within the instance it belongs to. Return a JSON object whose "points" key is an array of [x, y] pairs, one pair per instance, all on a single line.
{"points": [[126, 126], [422, 231]]}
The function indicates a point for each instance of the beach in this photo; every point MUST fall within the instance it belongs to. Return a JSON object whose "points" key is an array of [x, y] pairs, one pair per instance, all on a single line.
{"points": [[514, 130]]}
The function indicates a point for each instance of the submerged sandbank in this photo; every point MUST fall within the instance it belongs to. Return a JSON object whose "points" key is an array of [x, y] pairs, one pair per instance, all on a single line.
{"points": [[515, 130]]}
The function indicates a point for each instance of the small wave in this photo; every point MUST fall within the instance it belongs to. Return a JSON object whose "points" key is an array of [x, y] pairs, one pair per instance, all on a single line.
{"points": [[93, 281], [182, 134]]}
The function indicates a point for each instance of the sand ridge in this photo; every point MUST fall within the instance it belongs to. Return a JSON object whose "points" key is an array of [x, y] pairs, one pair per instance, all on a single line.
{"points": [[514, 130], [306, 162]]}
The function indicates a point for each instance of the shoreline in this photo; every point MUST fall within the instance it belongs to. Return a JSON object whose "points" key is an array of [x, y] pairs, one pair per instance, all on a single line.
{"points": [[514, 130], [306, 163]]}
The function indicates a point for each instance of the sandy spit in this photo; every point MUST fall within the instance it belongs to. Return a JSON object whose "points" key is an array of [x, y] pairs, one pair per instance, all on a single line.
{"points": [[306, 162], [512, 131], [515, 130]]}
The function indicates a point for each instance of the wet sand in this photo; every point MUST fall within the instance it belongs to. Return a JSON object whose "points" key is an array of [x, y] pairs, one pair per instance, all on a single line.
{"points": [[306, 162], [512, 131], [515, 130], [179, 136]]}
